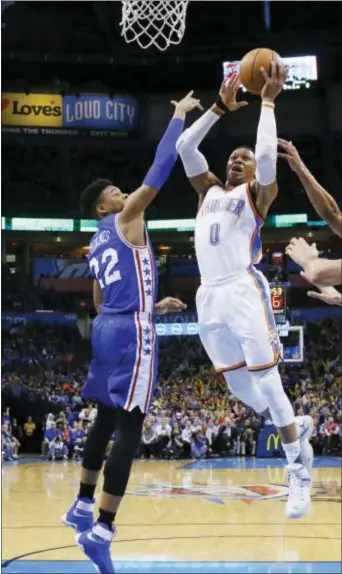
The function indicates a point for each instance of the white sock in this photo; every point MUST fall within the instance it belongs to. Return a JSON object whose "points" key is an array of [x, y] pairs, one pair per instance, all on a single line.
{"points": [[292, 451]]}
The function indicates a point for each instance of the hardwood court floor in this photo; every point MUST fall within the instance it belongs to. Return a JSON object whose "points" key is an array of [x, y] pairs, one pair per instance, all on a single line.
{"points": [[207, 516]]}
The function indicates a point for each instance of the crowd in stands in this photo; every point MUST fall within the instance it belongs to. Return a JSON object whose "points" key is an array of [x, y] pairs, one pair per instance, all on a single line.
{"points": [[54, 175], [192, 415], [18, 293], [43, 368], [41, 346]]}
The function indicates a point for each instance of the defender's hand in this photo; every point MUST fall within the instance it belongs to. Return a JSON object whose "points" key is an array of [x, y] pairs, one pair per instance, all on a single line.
{"points": [[273, 82], [169, 305], [301, 252], [228, 93], [291, 155], [187, 104], [329, 295]]}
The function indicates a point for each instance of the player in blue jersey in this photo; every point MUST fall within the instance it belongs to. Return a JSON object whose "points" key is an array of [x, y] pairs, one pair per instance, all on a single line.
{"points": [[123, 372]]}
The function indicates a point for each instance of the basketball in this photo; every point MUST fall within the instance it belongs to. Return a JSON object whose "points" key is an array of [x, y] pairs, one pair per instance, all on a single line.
{"points": [[250, 66]]}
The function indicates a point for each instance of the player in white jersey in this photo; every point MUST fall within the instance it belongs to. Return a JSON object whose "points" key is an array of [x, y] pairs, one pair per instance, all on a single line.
{"points": [[236, 322]]}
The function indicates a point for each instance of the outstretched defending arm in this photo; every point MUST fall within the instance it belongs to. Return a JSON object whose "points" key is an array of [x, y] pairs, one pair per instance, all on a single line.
{"points": [[322, 201], [329, 295], [164, 160], [323, 272], [195, 165], [266, 145]]}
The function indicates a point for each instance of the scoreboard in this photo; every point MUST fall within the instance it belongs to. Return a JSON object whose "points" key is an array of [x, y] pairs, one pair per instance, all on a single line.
{"points": [[278, 301], [302, 71]]}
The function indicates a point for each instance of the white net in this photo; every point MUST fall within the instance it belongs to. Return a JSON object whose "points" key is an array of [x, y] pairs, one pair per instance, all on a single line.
{"points": [[158, 23]]}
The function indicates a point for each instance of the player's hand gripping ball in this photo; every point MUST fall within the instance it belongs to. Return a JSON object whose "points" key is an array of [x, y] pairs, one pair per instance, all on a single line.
{"points": [[250, 72]]}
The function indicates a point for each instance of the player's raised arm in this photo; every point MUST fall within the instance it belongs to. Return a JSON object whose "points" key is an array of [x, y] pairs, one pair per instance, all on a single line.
{"points": [[195, 165], [322, 201], [164, 160], [266, 145]]}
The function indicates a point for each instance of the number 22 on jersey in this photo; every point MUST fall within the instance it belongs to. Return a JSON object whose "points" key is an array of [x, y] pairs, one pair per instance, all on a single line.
{"points": [[214, 234], [107, 262]]}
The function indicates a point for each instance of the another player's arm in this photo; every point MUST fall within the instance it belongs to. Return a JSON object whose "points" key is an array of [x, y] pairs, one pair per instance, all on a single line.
{"points": [[322, 201], [323, 272], [169, 305], [164, 160], [266, 145], [195, 164], [329, 295], [97, 295]]}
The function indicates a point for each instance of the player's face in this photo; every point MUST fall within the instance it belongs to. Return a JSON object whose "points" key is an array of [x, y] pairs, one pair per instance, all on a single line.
{"points": [[241, 167], [112, 201]]}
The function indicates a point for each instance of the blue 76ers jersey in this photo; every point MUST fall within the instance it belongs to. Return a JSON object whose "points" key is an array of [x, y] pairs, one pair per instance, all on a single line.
{"points": [[126, 274]]}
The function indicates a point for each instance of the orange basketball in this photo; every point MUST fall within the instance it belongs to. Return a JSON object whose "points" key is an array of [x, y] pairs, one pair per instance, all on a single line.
{"points": [[250, 66]]}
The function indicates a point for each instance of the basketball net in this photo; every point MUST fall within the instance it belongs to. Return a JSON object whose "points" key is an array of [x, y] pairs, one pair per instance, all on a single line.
{"points": [[158, 23]]}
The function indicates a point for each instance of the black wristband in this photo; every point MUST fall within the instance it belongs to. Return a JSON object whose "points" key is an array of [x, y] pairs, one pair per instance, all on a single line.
{"points": [[220, 104]]}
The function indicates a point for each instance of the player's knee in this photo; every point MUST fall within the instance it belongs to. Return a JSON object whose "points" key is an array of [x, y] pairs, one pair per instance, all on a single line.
{"points": [[244, 388], [268, 381], [131, 442], [127, 435], [270, 385], [129, 429]]}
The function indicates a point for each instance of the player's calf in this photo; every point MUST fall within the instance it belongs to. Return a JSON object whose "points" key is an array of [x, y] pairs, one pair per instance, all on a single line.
{"points": [[298, 504], [244, 387]]}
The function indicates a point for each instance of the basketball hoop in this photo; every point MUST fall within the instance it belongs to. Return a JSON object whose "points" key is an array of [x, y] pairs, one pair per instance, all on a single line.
{"points": [[159, 23]]}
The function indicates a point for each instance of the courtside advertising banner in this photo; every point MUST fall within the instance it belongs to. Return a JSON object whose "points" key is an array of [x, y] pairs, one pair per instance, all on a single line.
{"points": [[100, 112], [33, 110]]}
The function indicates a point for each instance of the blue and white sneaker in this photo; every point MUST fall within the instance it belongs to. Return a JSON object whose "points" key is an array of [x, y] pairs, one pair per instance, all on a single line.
{"points": [[95, 543], [80, 516], [305, 429]]}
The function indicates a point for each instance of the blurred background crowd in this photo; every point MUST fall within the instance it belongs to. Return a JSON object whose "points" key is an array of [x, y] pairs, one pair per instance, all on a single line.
{"points": [[57, 172], [70, 50], [193, 414]]}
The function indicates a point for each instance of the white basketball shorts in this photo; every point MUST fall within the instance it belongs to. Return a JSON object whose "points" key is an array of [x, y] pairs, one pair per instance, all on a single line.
{"points": [[236, 323]]}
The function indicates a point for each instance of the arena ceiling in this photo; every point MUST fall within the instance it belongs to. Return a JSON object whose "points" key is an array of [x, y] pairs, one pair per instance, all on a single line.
{"points": [[78, 43]]}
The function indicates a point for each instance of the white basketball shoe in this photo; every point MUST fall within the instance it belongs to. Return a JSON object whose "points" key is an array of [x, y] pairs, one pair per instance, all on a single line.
{"points": [[299, 500]]}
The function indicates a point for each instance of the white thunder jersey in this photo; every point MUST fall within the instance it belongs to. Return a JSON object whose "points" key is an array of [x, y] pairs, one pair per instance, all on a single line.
{"points": [[235, 319], [227, 234]]}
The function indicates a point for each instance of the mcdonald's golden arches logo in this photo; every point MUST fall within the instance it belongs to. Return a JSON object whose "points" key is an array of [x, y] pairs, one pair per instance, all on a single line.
{"points": [[273, 439]]}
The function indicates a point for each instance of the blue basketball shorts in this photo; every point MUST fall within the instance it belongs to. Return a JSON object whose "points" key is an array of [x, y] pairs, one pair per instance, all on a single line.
{"points": [[123, 371]]}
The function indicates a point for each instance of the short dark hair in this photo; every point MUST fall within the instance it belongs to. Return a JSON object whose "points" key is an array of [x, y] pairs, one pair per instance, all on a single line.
{"points": [[90, 196]]}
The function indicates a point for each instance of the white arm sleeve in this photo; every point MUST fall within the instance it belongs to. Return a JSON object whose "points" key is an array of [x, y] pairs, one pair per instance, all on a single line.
{"points": [[193, 160], [266, 147]]}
